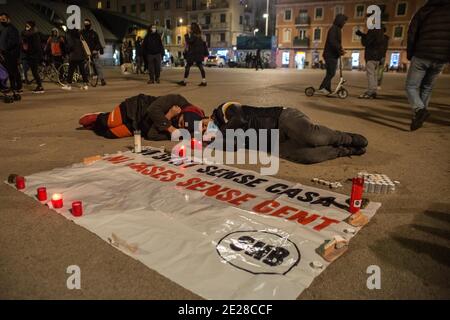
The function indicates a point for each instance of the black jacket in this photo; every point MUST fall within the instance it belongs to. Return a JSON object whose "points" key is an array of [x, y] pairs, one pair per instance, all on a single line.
{"points": [[31, 45], [91, 37], [246, 117], [333, 45], [74, 46], [195, 48], [374, 44], [10, 42], [152, 44], [429, 32]]}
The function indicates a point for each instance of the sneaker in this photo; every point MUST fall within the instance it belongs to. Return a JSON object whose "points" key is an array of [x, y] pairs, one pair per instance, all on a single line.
{"points": [[357, 151], [365, 95], [88, 120], [103, 82], [358, 140], [84, 87], [66, 87], [150, 81], [419, 118], [157, 81], [38, 89], [202, 84], [19, 91], [181, 83], [324, 91]]}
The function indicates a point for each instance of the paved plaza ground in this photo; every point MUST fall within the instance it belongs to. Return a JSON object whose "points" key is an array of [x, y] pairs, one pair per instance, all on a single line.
{"points": [[409, 238]]}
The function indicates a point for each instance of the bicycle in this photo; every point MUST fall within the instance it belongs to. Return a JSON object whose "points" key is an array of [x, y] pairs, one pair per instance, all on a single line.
{"points": [[77, 77], [48, 71]]}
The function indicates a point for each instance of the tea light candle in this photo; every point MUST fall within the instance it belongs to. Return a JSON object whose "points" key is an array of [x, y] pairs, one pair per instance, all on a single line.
{"points": [[77, 208], [57, 201], [42, 193], [20, 183]]}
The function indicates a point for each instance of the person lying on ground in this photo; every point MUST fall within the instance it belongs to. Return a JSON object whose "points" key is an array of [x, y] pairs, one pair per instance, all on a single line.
{"points": [[300, 139], [155, 117]]}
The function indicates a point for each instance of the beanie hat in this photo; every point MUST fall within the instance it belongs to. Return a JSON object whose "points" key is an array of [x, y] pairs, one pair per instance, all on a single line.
{"points": [[190, 115]]}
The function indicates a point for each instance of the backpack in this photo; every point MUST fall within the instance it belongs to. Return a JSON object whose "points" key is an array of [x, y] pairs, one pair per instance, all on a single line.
{"points": [[205, 49]]}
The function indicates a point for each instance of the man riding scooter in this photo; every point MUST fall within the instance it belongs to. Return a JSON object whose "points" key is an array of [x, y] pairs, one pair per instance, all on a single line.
{"points": [[333, 50]]}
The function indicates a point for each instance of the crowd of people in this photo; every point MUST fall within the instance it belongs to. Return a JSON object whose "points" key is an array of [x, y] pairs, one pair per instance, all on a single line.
{"points": [[428, 49]]}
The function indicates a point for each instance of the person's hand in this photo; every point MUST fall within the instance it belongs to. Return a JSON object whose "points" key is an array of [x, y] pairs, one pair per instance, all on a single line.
{"points": [[173, 112]]}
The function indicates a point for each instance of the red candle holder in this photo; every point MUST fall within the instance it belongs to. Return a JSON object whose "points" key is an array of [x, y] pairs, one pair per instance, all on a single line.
{"points": [[77, 208], [57, 201], [20, 183], [42, 194], [356, 195]]}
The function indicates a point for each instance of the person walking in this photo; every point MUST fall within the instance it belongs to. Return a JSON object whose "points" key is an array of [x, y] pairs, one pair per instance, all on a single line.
{"points": [[31, 45], [93, 41], [258, 60], [153, 51], [428, 49], [373, 42], [196, 52], [77, 59], [56, 48], [139, 55], [10, 50], [333, 50]]}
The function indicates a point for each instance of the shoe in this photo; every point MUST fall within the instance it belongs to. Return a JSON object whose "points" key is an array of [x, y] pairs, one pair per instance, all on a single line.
{"points": [[88, 120], [103, 82], [378, 88], [324, 91], [38, 89], [84, 87], [368, 96], [157, 81], [150, 81], [202, 84], [182, 83], [358, 140], [19, 91], [66, 87], [419, 118], [357, 151]]}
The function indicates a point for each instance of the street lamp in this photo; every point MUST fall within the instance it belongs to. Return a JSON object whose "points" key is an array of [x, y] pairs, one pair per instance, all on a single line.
{"points": [[180, 20], [266, 16]]}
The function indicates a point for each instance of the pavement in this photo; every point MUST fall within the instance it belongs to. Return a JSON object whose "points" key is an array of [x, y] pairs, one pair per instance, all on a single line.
{"points": [[409, 238]]}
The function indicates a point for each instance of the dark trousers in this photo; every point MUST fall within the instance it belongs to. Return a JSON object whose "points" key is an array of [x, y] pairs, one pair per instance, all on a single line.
{"points": [[188, 66], [82, 69], [331, 66], [34, 65], [258, 64], [154, 66], [15, 80], [306, 142]]}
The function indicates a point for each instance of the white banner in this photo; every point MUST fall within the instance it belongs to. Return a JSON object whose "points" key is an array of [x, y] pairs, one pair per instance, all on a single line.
{"points": [[218, 231]]}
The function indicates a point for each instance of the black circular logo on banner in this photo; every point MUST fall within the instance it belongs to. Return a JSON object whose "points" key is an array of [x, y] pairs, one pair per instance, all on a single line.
{"points": [[259, 252]]}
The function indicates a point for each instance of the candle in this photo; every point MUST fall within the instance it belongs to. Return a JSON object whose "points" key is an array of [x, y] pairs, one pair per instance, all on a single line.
{"points": [[182, 152], [42, 193], [57, 201], [20, 183], [77, 208]]}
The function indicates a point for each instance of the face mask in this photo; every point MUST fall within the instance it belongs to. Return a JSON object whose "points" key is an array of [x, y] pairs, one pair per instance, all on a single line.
{"points": [[28, 28], [87, 26], [4, 24]]}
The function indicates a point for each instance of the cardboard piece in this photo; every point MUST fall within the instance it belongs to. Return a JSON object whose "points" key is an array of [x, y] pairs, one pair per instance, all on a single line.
{"points": [[332, 249]]}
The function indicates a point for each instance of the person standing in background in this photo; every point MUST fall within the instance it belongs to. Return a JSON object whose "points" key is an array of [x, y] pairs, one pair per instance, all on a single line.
{"points": [[10, 49], [139, 55], [153, 50], [77, 59], [31, 45], [56, 47], [93, 41], [428, 48]]}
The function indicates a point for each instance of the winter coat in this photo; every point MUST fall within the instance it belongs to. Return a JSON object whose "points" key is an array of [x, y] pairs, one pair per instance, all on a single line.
{"points": [[429, 32], [31, 45], [235, 116], [92, 39], [374, 44], [10, 42], [55, 46], [333, 45], [75, 47], [195, 48], [152, 44]]}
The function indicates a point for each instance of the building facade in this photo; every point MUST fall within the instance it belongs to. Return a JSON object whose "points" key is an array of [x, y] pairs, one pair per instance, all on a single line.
{"points": [[302, 26], [222, 21]]}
